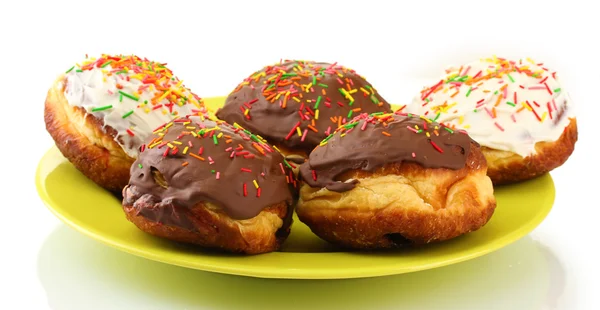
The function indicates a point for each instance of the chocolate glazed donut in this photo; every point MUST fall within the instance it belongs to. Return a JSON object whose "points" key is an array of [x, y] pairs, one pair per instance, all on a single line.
{"points": [[212, 184], [296, 104], [388, 180]]}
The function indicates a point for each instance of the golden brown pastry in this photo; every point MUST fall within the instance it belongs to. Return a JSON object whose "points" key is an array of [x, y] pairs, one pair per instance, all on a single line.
{"points": [[208, 183], [517, 110], [389, 180], [100, 111], [296, 104]]}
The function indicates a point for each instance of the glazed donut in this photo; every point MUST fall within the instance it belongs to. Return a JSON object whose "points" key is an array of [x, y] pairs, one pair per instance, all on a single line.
{"points": [[100, 111], [516, 110], [391, 180], [296, 104], [208, 183]]}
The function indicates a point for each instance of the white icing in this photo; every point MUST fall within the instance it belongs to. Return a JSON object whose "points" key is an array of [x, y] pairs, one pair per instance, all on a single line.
{"points": [[497, 129], [97, 87]]}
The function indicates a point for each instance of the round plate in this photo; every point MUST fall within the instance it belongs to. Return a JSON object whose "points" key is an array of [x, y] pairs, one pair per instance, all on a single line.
{"points": [[93, 211]]}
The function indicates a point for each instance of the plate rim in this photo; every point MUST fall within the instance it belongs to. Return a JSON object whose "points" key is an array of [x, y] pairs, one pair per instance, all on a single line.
{"points": [[287, 273]]}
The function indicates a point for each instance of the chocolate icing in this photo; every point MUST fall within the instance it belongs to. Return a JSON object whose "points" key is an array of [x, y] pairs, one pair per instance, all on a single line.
{"points": [[164, 188], [384, 139], [274, 111]]}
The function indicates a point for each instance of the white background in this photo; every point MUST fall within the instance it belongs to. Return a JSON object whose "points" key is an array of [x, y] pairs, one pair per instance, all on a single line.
{"points": [[212, 46]]}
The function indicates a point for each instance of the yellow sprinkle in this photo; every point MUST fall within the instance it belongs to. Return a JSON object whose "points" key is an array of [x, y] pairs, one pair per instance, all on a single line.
{"points": [[296, 98], [164, 112], [177, 142], [147, 110], [530, 60], [190, 127], [255, 183], [467, 126], [461, 119], [169, 125], [425, 119], [427, 134], [278, 95], [308, 87], [168, 92], [544, 116], [220, 135], [299, 131], [276, 149], [246, 112], [526, 106], [317, 114], [104, 79], [364, 90], [170, 145], [353, 91], [446, 90], [322, 143], [342, 134], [417, 127], [185, 149], [194, 134], [437, 127]]}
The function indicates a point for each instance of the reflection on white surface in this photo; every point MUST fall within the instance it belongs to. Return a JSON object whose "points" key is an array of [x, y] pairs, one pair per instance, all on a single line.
{"points": [[79, 273]]}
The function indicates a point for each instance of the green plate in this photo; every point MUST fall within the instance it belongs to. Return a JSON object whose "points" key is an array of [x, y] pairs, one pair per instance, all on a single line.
{"points": [[96, 213]]}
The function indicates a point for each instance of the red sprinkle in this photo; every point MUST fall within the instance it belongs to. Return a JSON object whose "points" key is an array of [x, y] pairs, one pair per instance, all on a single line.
{"points": [[246, 170], [314, 175], [245, 190], [435, 146]]}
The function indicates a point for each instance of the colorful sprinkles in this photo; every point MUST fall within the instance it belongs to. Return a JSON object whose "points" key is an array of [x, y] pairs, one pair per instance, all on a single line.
{"points": [[501, 85], [205, 145], [324, 96]]}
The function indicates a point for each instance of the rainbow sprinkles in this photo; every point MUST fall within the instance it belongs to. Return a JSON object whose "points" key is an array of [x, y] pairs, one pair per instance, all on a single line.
{"points": [[503, 104]]}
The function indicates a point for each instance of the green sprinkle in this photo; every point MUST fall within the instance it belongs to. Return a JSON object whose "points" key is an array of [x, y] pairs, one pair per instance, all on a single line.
{"points": [[288, 75], [317, 103], [475, 111], [255, 138], [556, 90], [106, 107], [120, 97], [212, 171], [145, 101], [350, 103], [511, 104], [449, 130], [420, 131], [215, 140], [437, 116], [323, 85], [78, 70], [374, 99], [272, 85], [463, 78], [286, 163], [132, 97], [327, 139], [427, 99], [127, 114], [314, 82], [496, 92], [201, 132], [351, 125], [106, 64], [70, 69], [469, 92], [140, 165], [511, 78], [349, 114]]}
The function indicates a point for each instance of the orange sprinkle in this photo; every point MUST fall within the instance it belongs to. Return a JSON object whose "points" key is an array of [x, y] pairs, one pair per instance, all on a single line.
{"points": [[185, 163], [196, 156], [119, 86], [498, 100], [312, 128], [385, 133], [228, 141], [356, 110], [323, 92], [494, 111], [258, 147]]}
